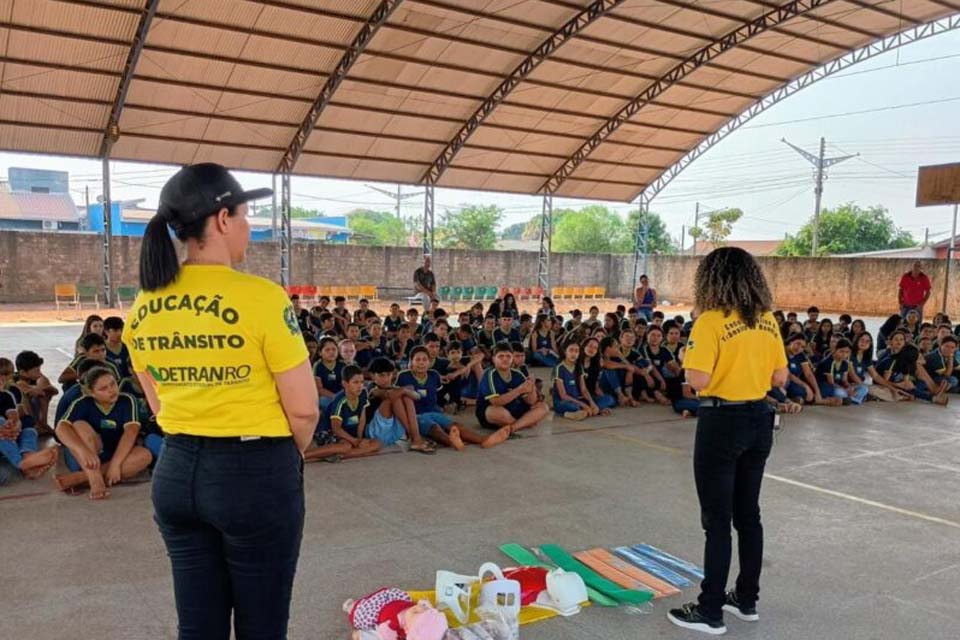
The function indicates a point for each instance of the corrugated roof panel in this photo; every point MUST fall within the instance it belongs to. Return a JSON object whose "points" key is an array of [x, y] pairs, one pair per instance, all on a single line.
{"points": [[506, 161], [543, 122], [544, 143], [547, 15], [335, 142], [56, 82], [313, 164], [137, 120], [614, 58], [81, 19], [45, 206], [462, 178], [336, 117], [52, 111], [638, 175], [574, 188], [232, 12], [34, 139], [352, 92], [58, 50], [306, 25], [446, 51], [545, 98], [622, 31], [621, 153]]}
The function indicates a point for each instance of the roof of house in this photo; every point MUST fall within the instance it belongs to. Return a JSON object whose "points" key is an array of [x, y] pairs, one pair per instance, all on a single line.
{"points": [[22, 205]]}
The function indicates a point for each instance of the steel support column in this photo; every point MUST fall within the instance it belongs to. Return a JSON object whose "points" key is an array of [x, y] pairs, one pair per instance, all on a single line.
{"points": [[557, 39], [428, 220], [951, 256], [286, 231], [107, 235], [641, 244], [698, 59], [844, 62], [546, 244]]}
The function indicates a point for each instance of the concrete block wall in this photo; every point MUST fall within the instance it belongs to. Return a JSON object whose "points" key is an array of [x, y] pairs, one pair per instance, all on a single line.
{"points": [[31, 263]]}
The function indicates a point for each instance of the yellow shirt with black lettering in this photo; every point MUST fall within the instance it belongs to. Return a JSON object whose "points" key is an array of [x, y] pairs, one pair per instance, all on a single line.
{"points": [[740, 360], [212, 341]]}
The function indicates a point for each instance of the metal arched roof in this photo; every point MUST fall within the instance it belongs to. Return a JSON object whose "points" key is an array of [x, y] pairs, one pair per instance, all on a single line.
{"points": [[577, 98]]}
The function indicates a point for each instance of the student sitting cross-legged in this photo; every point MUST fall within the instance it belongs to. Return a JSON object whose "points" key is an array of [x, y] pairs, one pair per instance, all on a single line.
{"points": [[542, 344], [100, 432], [506, 400], [571, 398], [18, 444], [425, 383], [836, 376], [36, 389], [94, 348], [391, 413], [328, 371], [342, 429]]}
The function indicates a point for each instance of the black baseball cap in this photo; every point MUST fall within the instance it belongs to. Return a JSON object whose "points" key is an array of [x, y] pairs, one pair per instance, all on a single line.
{"points": [[200, 190]]}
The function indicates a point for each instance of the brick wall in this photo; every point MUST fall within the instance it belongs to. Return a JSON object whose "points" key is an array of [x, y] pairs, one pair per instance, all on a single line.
{"points": [[32, 263]]}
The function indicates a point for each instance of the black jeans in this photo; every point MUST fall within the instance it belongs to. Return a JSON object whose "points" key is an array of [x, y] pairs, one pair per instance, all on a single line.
{"points": [[231, 515], [730, 454]]}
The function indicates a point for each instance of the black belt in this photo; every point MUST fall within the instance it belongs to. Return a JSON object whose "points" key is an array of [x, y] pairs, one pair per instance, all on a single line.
{"points": [[720, 402], [211, 442]]}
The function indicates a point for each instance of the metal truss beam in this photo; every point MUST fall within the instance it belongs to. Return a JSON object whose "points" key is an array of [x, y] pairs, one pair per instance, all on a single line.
{"points": [[369, 29], [286, 231], [428, 219], [111, 133], [723, 44], [641, 243], [910, 35], [546, 245], [837, 24]]}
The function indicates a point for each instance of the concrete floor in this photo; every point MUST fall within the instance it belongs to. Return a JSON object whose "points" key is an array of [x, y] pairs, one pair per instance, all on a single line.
{"points": [[860, 508]]}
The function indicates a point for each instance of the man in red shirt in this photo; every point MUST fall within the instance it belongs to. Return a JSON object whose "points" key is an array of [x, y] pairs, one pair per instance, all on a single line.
{"points": [[914, 290]]}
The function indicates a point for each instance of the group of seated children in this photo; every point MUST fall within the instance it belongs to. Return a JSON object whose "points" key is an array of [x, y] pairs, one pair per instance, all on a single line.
{"points": [[407, 378]]}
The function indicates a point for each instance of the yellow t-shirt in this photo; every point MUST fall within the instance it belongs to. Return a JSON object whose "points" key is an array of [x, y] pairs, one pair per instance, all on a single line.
{"points": [[212, 342], [740, 360]]}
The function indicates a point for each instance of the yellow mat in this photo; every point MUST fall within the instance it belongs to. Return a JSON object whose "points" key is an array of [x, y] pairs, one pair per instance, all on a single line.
{"points": [[528, 615]]}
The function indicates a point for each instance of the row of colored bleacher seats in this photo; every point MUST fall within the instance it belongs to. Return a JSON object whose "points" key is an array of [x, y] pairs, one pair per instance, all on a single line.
{"points": [[481, 293], [313, 292], [579, 293], [76, 295]]}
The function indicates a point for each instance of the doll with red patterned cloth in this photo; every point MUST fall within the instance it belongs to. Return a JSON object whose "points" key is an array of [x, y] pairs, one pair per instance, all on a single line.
{"points": [[390, 614]]}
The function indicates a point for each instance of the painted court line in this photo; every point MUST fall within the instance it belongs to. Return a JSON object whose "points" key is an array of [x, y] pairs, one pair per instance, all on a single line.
{"points": [[871, 503], [64, 352]]}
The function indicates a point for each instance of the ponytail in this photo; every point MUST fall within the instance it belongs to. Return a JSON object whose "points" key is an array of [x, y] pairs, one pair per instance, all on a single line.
{"points": [[159, 264]]}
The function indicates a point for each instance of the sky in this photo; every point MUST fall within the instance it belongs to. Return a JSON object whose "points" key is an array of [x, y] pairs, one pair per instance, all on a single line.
{"points": [[899, 111]]}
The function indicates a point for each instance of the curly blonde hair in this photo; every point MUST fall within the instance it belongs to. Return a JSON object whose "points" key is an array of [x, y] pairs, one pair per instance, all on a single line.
{"points": [[729, 279]]}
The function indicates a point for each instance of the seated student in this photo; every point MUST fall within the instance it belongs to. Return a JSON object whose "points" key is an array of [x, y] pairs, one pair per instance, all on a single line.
{"points": [[442, 330], [857, 329], [542, 344], [93, 324], [8, 382], [547, 307], [571, 397], [813, 314], [665, 362], [399, 348], [779, 316], [591, 363], [611, 324], [313, 347], [36, 389], [485, 337], [526, 326], [348, 352], [328, 371], [340, 433], [672, 341], [75, 392], [943, 331], [463, 377], [593, 317], [413, 319], [911, 322], [791, 316], [928, 331], [100, 432], [475, 315], [94, 348], [467, 339], [117, 353], [576, 319], [373, 346], [900, 367], [802, 386], [435, 424], [617, 378], [507, 401], [360, 315], [836, 377], [821, 340], [391, 414], [505, 332], [648, 383], [520, 364], [943, 365], [393, 321], [340, 312], [19, 444], [843, 324], [657, 318]]}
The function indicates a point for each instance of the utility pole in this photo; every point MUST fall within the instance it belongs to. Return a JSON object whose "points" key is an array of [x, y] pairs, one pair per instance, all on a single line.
{"points": [[820, 164], [683, 238], [926, 237], [398, 197], [696, 225]]}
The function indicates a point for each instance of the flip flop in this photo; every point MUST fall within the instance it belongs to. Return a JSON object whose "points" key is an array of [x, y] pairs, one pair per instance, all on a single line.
{"points": [[426, 449]]}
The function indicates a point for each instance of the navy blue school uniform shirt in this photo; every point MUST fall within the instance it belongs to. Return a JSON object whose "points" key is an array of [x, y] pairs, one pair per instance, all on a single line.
{"points": [[398, 353], [487, 340], [426, 389], [441, 365], [468, 344], [330, 379], [493, 384], [499, 335], [68, 398], [795, 364], [391, 324], [832, 372], [347, 412], [544, 342], [121, 361], [860, 365], [107, 422], [637, 358], [570, 378], [7, 403], [375, 350], [936, 363], [660, 358], [106, 365]]}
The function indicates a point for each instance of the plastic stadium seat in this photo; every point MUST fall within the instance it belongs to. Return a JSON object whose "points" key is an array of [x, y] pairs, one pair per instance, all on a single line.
{"points": [[468, 293], [66, 294], [125, 293], [369, 291], [89, 292], [444, 293], [491, 293], [538, 292], [457, 293]]}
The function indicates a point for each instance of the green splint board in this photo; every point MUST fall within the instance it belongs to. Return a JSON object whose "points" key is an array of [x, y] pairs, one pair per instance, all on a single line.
{"points": [[525, 558], [593, 579]]}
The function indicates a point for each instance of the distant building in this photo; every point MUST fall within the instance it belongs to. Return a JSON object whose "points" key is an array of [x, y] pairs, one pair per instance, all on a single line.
{"points": [[758, 248], [37, 211], [918, 253], [38, 180]]}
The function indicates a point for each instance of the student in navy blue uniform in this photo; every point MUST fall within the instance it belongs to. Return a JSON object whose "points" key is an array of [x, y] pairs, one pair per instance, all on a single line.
{"points": [[571, 398], [836, 378], [328, 371], [20, 450], [901, 368], [95, 348], [509, 307], [373, 346], [393, 321], [467, 339], [505, 332], [617, 377], [543, 344], [506, 400], [413, 319], [75, 392], [591, 363], [943, 365], [399, 348], [485, 337], [887, 329], [861, 356], [648, 384], [100, 432], [391, 413], [313, 347], [435, 424], [664, 361], [343, 422], [802, 379], [611, 324], [117, 353]]}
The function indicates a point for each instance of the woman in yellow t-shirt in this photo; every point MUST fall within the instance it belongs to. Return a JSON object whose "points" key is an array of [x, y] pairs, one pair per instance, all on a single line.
{"points": [[224, 367], [733, 357]]}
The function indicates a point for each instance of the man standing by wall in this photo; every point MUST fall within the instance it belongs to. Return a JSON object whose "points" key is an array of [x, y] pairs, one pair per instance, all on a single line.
{"points": [[914, 290], [425, 283]]}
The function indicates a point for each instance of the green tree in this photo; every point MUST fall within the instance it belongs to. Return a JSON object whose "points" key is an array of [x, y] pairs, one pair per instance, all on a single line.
{"points": [[377, 228], [849, 229], [514, 231], [658, 240], [469, 227], [302, 212], [592, 229], [717, 226]]}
